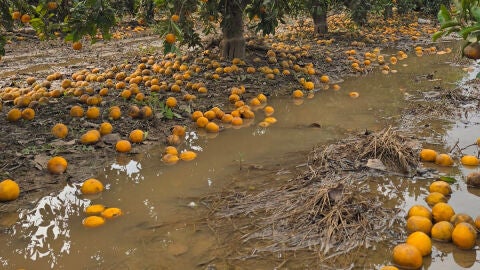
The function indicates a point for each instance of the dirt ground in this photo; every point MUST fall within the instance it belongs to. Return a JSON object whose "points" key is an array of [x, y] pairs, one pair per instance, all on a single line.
{"points": [[27, 145]]}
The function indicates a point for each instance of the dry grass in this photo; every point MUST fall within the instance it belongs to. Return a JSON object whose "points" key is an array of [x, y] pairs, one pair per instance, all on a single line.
{"points": [[329, 208]]}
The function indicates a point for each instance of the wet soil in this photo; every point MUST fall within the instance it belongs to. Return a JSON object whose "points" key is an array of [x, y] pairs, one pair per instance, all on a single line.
{"points": [[27, 145]]}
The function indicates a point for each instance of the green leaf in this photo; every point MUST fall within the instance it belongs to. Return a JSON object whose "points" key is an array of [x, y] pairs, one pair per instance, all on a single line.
{"points": [[437, 35], [475, 11], [449, 24], [447, 179], [467, 30], [443, 15]]}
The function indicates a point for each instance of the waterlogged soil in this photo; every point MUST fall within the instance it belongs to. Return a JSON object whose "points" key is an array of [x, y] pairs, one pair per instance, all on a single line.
{"points": [[27, 145]]}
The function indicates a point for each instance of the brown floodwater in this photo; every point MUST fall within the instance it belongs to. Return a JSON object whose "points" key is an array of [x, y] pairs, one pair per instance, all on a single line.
{"points": [[162, 225]]}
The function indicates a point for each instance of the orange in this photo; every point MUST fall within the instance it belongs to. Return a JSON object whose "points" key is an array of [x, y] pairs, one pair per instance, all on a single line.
{"points": [[441, 187], [146, 112], [270, 120], [136, 136], [268, 110], [16, 15], [464, 235], [93, 221], [9, 190], [389, 267], [123, 146], [28, 114], [60, 130], [297, 94], [419, 210], [170, 158], [419, 224], [171, 102], [178, 130], [444, 160], [188, 155], [202, 122], [324, 79], [105, 128], [57, 165], [115, 113], [90, 137], [442, 231], [111, 212], [94, 209], [210, 115], [76, 111], [173, 139], [14, 115], [91, 186], [442, 212], [354, 94], [435, 197], [93, 113], [52, 5], [262, 98], [175, 18], [25, 18], [421, 241], [461, 217], [470, 160], [196, 115], [255, 102], [77, 45], [227, 118], [234, 98], [237, 121], [212, 127], [309, 85], [171, 150], [407, 256], [428, 155], [170, 38]]}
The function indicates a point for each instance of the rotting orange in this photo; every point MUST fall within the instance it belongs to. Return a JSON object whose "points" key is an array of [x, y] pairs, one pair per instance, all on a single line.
{"points": [[25, 18], [237, 121], [421, 241], [76, 111], [419, 210], [16, 15], [428, 155], [171, 102], [442, 212], [105, 128], [77, 45], [435, 197], [170, 158], [57, 165], [270, 120], [462, 217], [173, 139], [407, 256], [170, 38], [93, 221], [60, 130], [297, 94], [123, 146], [262, 98], [442, 231], [354, 94], [444, 160], [464, 235], [441, 187], [419, 224], [179, 130], [227, 118], [28, 114], [469, 160], [188, 155], [212, 127], [268, 110], [94, 209], [91, 186], [136, 136], [202, 122], [90, 137], [14, 115], [115, 113], [9, 190], [111, 212], [171, 150]]}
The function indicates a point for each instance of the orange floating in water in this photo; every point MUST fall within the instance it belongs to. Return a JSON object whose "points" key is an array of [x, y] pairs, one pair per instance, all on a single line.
{"points": [[354, 94]]}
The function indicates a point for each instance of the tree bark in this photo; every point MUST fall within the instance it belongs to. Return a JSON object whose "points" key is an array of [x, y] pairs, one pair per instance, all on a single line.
{"points": [[319, 15], [233, 43]]}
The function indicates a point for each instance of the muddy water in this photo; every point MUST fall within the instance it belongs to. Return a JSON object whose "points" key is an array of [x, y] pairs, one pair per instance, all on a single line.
{"points": [[160, 228]]}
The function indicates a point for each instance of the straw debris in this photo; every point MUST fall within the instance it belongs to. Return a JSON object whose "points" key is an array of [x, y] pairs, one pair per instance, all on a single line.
{"points": [[328, 208]]}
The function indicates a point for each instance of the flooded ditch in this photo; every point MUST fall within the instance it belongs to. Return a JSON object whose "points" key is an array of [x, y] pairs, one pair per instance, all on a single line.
{"points": [[162, 226]]}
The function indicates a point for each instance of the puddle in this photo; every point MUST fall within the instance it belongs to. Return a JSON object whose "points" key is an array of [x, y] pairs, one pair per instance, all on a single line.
{"points": [[161, 226]]}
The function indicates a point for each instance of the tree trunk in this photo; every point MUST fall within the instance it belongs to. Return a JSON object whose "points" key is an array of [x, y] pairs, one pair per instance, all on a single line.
{"points": [[145, 10], [319, 15], [233, 43]]}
